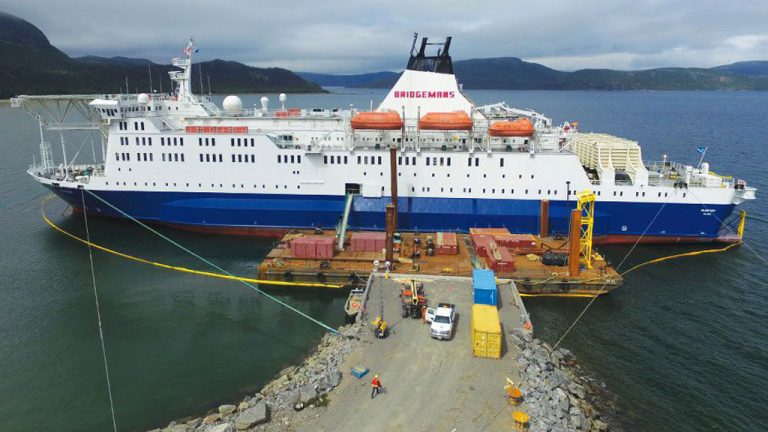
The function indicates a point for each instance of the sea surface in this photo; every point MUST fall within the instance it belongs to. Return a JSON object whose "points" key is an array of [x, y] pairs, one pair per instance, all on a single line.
{"points": [[682, 346]]}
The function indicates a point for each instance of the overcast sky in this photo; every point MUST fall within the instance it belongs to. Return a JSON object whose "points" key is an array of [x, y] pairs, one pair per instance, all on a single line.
{"points": [[342, 36]]}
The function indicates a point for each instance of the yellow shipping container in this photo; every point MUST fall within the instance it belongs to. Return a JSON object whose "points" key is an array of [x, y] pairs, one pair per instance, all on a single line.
{"points": [[486, 331]]}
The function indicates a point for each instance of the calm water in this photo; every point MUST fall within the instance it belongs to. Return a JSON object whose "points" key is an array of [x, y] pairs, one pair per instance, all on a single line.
{"points": [[683, 345]]}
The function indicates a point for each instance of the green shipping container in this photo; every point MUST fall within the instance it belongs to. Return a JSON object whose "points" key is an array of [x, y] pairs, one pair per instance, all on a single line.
{"points": [[486, 331]]}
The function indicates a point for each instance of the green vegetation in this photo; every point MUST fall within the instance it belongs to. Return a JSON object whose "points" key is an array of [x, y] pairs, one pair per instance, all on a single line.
{"points": [[29, 64], [511, 73]]}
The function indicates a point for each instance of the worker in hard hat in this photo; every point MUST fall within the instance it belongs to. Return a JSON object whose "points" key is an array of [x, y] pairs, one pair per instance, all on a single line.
{"points": [[375, 386]]}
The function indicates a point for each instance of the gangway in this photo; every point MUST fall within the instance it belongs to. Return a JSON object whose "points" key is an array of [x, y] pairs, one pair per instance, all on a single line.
{"points": [[342, 232]]}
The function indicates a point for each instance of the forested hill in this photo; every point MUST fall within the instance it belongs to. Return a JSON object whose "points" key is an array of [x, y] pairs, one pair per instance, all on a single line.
{"points": [[29, 64]]}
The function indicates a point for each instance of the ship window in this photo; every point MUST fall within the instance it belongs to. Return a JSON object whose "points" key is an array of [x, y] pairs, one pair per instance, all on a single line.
{"points": [[182, 157], [200, 141], [135, 126], [279, 158], [477, 161], [238, 142], [149, 140], [501, 162], [637, 194], [359, 159], [512, 191], [659, 194], [207, 157], [449, 161], [379, 160], [483, 190], [214, 158], [365, 160], [181, 141], [251, 142], [526, 191], [213, 142], [441, 161], [201, 157], [137, 140], [240, 158], [175, 157], [399, 160], [232, 142], [142, 125], [531, 176], [253, 158], [665, 194], [325, 160], [539, 191], [407, 161], [292, 159], [162, 141], [600, 193], [428, 159], [614, 193], [117, 156]]}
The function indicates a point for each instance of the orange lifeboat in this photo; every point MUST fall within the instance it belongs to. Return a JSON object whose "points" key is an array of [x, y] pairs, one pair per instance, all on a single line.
{"points": [[387, 120], [515, 128], [458, 120]]}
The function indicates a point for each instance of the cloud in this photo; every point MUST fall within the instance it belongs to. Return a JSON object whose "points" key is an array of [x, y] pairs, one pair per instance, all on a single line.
{"points": [[346, 36]]}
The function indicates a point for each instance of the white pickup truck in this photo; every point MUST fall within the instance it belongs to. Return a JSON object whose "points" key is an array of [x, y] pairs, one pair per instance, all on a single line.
{"points": [[443, 320]]}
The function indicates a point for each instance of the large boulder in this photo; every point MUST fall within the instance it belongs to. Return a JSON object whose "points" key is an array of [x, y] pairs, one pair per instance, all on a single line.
{"points": [[253, 416], [226, 427], [227, 409]]}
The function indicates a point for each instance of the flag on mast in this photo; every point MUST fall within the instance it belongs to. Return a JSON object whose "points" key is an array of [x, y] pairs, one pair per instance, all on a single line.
{"points": [[701, 150]]}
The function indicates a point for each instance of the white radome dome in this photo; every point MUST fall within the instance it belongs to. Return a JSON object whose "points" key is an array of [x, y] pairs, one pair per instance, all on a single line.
{"points": [[232, 104], [142, 98]]}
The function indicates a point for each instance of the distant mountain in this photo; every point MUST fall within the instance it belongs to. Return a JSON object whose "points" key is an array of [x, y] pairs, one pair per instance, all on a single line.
{"points": [[757, 68], [29, 64], [511, 73], [117, 60], [327, 80]]}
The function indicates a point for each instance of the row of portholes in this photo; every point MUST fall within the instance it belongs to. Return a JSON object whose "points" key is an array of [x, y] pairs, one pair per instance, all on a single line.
{"points": [[200, 185]]}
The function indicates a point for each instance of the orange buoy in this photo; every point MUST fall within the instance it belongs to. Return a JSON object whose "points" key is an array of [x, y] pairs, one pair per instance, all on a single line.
{"points": [[458, 120], [386, 120], [514, 128]]}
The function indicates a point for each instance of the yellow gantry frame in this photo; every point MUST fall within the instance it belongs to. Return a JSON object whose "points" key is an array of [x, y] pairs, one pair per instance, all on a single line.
{"points": [[586, 203]]}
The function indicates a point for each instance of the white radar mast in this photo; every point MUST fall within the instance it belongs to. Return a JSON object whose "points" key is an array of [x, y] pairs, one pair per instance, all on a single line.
{"points": [[183, 77]]}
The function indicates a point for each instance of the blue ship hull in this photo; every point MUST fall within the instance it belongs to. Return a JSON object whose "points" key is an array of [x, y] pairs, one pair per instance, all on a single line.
{"points": [[615, 222]]}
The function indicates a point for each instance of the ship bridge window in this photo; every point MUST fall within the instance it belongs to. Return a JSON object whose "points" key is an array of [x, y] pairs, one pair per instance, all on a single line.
{"points": [[501, 162]]}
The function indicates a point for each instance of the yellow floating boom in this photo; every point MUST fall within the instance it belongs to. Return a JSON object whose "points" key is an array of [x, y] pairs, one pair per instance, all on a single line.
{"points": [[176, 268]]}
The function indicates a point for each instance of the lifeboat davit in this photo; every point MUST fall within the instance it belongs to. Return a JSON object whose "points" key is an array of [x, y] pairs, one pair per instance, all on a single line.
{"points": [[386, 120], [458, 120], [514, 128]]}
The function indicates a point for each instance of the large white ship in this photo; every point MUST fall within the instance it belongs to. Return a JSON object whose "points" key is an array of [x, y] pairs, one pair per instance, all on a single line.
{"points": [[179, 159]]}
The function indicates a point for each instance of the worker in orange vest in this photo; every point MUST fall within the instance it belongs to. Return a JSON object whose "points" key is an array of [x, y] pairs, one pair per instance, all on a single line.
{"points": [[375, 386]]}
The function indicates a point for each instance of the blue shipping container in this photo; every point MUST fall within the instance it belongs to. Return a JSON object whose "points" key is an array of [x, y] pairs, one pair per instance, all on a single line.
{"points": [[484, 289]]}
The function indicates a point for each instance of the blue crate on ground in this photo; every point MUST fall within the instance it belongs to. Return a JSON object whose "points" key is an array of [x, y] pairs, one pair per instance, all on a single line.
{"points": [[359, 371]]}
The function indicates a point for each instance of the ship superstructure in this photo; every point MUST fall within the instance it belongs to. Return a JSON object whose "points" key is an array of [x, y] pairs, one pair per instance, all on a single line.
{"points": [[179, 159]]}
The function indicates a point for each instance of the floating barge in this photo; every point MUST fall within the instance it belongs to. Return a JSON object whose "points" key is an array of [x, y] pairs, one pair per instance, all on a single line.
{"points": [[526, 259]]}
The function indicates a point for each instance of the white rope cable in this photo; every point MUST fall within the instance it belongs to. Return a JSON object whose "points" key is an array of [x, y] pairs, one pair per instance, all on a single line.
{"points": [[592, 300], [98, 313], [723, 223], [274, 299]]}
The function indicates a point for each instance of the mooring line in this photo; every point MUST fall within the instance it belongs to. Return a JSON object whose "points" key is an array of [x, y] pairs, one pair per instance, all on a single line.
{"points": [[597, 294], [226, 275], [98, 314], [760, 257]]}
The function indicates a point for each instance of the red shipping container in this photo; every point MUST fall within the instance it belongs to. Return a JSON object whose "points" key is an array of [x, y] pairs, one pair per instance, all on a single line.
{"points": [[505, 263], [324, 247], [368, 241], [482, 243]]}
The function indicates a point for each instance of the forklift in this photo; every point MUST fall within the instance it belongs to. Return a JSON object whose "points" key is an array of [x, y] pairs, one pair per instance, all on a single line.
{"points": [[413, 299]]}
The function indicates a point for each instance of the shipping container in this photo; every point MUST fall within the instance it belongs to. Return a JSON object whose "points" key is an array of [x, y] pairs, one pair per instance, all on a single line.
{"points": [[505, 263], [486, 332], [484, 243], [484, 289], [313, 247], [447, 244], [368, 242]]}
